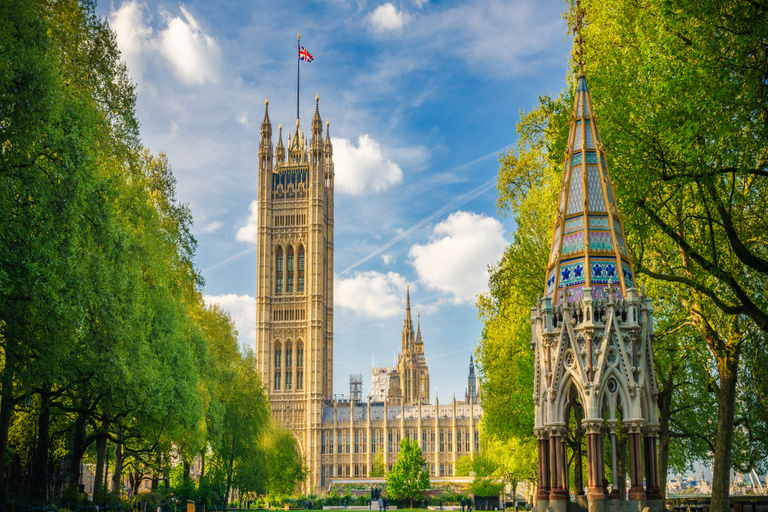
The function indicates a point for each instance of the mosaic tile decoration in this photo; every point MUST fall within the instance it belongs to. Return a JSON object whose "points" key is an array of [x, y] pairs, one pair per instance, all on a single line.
{"points": [[604, 271], [588, 135], [551, 283], [572, 274], [599, 223], [629, 279], [602, 160], [572, 225], [598, 291], [600, 241], [575, 198], [576, 159], [620, 242], [575, 294], [577, 138], [596, 203], [591, 157], [617, 225], [573, 243], [610, 193]]}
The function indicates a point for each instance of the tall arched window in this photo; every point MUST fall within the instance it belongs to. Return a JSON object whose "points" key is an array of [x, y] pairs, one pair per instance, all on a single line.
{"points": [[299, 365], [278, 357], [300, 270], [289, 270], [288, 366], [279, 271]]}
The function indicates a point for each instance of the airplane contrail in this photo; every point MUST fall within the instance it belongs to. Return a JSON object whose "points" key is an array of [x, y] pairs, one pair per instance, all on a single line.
{"points": [[463, 199]]}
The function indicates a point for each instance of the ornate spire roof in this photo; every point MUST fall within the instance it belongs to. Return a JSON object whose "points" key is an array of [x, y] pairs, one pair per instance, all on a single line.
{"points": [[418, 330], [280, 150], [317, 123], [588, 250], [266, 126]]}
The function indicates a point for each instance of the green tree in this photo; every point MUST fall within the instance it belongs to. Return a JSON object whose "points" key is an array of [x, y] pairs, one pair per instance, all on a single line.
{"points": [[378, 469], [409, 476], [680, 88]]}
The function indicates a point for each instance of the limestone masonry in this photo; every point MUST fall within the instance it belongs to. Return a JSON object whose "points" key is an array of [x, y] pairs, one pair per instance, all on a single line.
{"points": [[340, 438]]}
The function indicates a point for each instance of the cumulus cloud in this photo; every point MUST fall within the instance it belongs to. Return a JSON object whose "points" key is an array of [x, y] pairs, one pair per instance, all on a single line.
{"points": [[363, 168], [242, 118], [194, 55], [387, 18], [371, 294], [249, 233], [133, 36], [211, 227], [242, 309], [456, 260]]}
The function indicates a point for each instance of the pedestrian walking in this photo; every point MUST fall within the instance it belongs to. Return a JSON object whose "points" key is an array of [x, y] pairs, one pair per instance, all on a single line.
{"points": [[381, 503]]}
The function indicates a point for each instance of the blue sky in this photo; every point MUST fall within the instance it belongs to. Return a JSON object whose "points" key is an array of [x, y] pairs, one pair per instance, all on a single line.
{"points": [[421, 97]]}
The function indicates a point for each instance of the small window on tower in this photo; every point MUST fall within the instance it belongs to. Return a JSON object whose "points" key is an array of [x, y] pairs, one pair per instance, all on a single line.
{"points": [[289, 270], [279, 271], [300, 283]]}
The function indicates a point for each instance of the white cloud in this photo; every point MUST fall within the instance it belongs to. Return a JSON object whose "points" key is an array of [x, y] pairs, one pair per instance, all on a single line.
{"points": [[249, 232], [242, 309], [387, 259], [387, 18], [371, 294], [363, 168], [242, 118], [211, 227], [133, 36], [456, 260], [194, 55]]}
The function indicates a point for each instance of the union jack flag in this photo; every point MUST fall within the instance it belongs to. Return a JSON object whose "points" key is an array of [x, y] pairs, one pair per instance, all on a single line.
{"points": [[305, 55]]}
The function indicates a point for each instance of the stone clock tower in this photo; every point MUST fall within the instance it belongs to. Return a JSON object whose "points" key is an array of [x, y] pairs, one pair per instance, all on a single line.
{"points": [[294, 297]]}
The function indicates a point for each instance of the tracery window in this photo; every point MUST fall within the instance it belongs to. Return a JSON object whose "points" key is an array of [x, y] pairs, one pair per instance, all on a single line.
{"points": [[299, 365], [279, 271], [300, 269], [288, 366], [278, 360], [289, 270]]}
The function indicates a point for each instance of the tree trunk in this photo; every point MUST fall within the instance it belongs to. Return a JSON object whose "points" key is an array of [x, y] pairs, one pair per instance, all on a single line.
{"points": [[186, 470], [202, 463], [621, 462], [98, 479], [664, 401], [117, 473], [39, 475], [6, 399], [727, 370], [230, 470], [157, 472], [78, 445], [166, 472]]}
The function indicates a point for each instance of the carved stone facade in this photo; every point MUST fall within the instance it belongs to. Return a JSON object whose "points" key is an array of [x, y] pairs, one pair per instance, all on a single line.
{"points": [[593, 339], [294, 333], [294, 297]]}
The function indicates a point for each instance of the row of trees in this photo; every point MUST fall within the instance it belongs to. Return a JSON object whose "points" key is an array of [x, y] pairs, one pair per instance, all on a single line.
{"points": [[104, 337], [680, 91]]}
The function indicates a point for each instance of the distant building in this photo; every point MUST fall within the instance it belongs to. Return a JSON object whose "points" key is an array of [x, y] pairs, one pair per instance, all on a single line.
{"points": [[294, 333]]}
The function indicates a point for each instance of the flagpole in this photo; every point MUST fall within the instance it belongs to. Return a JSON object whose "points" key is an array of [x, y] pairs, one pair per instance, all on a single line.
{"points": [[298, 82]]}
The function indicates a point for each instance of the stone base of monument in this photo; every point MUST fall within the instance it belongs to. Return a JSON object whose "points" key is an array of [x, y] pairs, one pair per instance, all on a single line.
{"points": [[558, 506]]}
